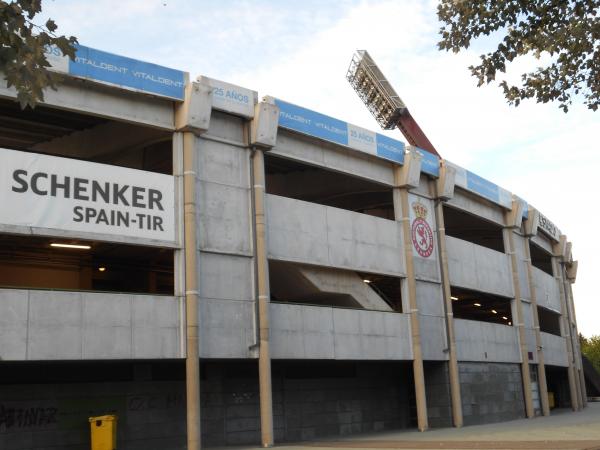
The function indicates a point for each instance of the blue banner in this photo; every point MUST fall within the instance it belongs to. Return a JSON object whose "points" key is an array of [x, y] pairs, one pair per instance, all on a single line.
{"points": [[430, 163], [483, 187], [312, 123], [389, 148], [127, 72]]}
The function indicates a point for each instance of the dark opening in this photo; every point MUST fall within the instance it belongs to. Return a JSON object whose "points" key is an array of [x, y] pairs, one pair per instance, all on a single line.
{"points": [[468, 227], [540, 258], [31, 262], [473, 305], [324, 286], [549, 321], [388, 288], [57, 132], [302, 181], [558, 386]]}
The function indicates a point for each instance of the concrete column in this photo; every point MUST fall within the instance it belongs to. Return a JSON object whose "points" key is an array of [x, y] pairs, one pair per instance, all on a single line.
{"points": [[581, 374], [192, 361], [509, 243], [543, 386], [573, 336], [402, 214], [457, 416], [566, 326], [262, 267]]}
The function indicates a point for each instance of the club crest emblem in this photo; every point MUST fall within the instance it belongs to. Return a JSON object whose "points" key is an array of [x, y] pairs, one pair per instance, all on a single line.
{"points": [[422, 236]]}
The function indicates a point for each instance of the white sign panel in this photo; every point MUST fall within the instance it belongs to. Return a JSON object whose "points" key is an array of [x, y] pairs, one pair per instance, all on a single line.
{"points": [[421, 227], [65, 194], [548, 228], [231, 98]]}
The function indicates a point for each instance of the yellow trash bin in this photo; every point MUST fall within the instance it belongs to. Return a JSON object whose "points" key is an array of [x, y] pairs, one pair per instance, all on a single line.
{"points": [[551, 401], [104, 432]]}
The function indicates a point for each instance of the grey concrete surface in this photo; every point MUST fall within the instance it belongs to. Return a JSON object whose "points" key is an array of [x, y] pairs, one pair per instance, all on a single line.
{"points": [[61, 325], [546, 289], [475, 267], [106, 102], [323, 154], [315, 234], [467, 201], [482, 341], [561, 430], [316, 332], [554, 350]]}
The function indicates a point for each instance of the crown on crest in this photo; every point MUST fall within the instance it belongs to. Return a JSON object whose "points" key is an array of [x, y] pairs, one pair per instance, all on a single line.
{"points": [[420, 209]]}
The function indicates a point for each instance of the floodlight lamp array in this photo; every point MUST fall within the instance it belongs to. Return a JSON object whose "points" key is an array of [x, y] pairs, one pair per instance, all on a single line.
{"points": [[374, 90]]}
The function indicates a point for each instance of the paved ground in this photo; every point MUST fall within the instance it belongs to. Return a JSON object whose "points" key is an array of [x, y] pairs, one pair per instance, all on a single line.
{"points": [[564, 430]]}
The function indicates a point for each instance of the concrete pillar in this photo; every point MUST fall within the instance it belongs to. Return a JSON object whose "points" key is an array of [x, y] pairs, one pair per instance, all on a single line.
{"points": [[541, 367], [581, 374], [192, 117], [457, 415], [573, 336], [192, 361], [566, 327], [263, 136], [411, 169], [509, 244], [262, 267]]}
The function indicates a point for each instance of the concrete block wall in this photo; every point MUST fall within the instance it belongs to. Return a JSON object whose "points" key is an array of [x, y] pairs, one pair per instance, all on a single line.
{"points": [[491, 392], [335, 399], [437, 385], [55, 416]]}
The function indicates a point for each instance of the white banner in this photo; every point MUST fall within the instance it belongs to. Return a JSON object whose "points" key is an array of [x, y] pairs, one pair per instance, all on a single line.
{"points": [[66, 194], [421, 227]]}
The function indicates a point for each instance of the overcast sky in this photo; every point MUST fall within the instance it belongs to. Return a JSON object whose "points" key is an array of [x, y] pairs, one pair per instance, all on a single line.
{"points": [[299, 51]]}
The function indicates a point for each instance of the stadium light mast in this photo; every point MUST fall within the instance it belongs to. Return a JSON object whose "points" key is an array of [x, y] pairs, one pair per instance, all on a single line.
{"points": [[381, 99]]}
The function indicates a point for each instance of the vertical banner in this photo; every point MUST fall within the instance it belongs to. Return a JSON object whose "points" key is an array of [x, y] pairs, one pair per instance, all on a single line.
{"points": [[422, 227]]}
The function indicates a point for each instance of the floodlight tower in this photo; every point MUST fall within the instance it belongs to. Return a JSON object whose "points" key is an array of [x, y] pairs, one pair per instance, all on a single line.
{"points": [[386, 106]]}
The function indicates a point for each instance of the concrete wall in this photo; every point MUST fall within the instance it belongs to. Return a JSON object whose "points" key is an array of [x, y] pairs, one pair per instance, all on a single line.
{"points": [[316, 332], [555, 350], [97, 100], [223, 198], [522, 270], [309, 233], [225, 259], [490, 392], [529, 332], [331, 156], [469, 202], [475, 267], [431, 319], [486, 342], [59, 325], [547, 290]]}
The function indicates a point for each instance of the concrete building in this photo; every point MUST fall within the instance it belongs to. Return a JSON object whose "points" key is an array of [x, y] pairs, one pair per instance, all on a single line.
{"points": [[175, 249]]}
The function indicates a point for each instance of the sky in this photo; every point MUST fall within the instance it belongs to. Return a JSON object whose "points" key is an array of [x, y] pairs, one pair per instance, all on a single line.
{"points": [[299, 51]]}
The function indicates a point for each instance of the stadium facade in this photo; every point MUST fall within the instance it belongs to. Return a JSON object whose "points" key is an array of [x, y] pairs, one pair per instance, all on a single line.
{"points": [[176, 252]]}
